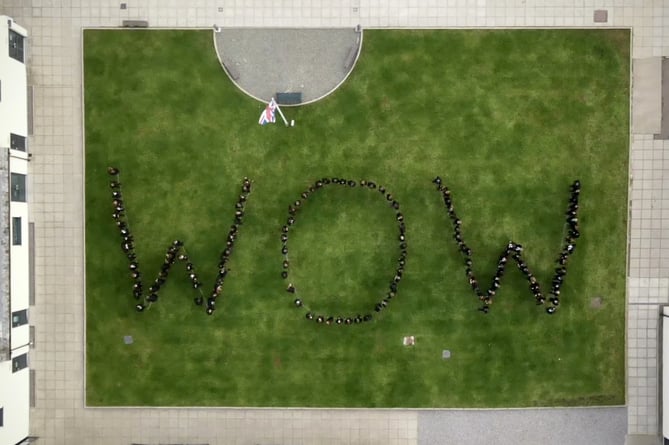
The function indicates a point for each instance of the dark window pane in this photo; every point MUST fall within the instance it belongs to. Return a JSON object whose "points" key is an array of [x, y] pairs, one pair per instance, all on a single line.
{"points": [[2, 417], [15, 46], [18, 187], [17, 142], [16, 231], [20, 362], [19, 318]]}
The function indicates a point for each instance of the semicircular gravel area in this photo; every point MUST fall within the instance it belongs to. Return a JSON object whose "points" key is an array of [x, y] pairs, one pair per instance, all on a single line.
{"points": [[266, 61]]}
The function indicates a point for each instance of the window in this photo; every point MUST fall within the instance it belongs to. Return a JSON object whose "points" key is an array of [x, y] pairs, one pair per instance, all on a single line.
{"points": [[15, 45], [20, 362], [17, 142], [16, 231], [2, 417], [18, 187], [19, 318]]}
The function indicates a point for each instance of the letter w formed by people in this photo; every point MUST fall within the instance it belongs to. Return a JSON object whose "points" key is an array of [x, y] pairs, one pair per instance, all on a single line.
{"points": [[176, 252], [514, 252]]}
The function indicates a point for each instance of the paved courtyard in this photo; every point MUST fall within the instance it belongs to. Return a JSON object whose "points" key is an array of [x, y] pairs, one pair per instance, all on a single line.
{"points": [[55, 67]]}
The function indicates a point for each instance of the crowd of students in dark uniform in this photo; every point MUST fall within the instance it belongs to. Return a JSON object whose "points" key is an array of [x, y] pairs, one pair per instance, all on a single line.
{"points": [[175, 252], [223, 269], [293, 210], [513, 251]]}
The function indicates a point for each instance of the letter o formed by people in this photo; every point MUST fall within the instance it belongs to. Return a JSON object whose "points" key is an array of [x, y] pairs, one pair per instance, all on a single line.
{"points": [[391, 292]]}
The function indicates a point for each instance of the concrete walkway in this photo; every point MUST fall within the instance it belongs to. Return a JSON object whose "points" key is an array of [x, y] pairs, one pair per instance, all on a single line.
{"points": [[56, 194], [593, 426], [264, 61]]}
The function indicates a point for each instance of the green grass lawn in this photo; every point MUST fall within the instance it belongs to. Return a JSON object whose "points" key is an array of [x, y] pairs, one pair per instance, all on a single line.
{"points": [[507, 118]]}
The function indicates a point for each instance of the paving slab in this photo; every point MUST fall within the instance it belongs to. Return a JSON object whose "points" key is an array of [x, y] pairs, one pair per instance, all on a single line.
{"points": [[646, 102]]}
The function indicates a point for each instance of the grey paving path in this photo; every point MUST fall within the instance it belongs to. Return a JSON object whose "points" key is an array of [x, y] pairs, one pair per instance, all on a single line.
{"points": [[576, 426], [264, 61]]}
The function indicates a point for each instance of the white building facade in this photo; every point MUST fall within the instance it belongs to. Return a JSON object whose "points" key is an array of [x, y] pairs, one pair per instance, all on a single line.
{"points": [[15, 250]]}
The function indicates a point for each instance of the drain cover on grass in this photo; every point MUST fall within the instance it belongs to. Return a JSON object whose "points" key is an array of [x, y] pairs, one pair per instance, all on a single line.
{"points": [[596, 302], [127, 339], [446, 354]]}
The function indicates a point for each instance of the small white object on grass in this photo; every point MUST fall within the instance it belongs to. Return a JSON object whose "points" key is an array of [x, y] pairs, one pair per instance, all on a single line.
{"points": [[409, 341], [292, 123]]}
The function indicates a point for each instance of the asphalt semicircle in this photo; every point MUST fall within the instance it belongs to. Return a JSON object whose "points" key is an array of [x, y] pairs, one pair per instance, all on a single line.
{"points": [[309, 63]]}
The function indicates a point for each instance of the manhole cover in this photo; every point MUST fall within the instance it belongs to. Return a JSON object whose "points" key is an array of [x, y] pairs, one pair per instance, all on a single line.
{"points": [[128, 340], [601, 16], [446, 354]]}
